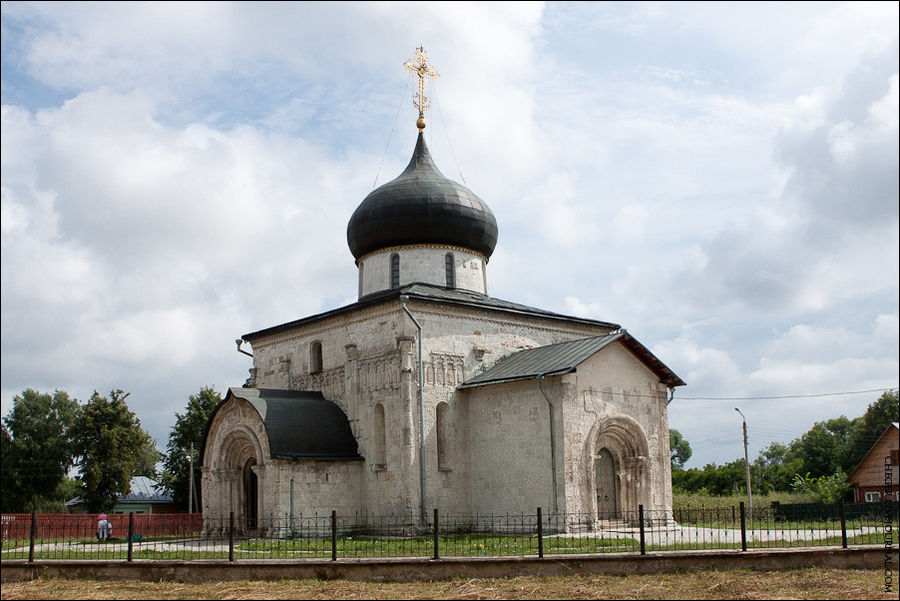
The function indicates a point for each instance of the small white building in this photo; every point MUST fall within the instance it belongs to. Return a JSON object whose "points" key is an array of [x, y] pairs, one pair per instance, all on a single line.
{"points": [[503, 409]]}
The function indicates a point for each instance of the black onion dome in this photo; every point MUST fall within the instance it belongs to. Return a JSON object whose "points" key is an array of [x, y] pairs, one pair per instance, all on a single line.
{"points": [[421, 207]]}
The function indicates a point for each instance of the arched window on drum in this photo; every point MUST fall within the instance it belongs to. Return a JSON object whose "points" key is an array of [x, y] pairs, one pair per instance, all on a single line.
{"points": [[395, 270], [450, 270]]}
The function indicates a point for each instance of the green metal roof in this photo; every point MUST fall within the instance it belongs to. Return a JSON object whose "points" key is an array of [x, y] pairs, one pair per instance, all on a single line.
{"points": [[564, 357], [299, 424]]}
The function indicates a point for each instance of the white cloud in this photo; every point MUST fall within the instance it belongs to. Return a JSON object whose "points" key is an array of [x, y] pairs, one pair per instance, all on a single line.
{"points": [[727, 201], [702, 367], [628, 224], [796, 377], [887, 330]]}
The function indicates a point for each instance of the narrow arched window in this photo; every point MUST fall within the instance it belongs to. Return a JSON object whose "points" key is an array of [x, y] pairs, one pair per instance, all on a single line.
{"points": [[449, 268], [442, 427], [315, 357], [379, 450], [395, 270]]}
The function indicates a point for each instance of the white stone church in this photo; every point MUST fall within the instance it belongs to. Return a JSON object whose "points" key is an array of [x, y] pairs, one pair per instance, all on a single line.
{"points": [[429, 393]]}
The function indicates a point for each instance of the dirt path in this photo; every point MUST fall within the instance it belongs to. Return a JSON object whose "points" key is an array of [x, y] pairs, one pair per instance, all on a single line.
{"points": [[743, 584]]}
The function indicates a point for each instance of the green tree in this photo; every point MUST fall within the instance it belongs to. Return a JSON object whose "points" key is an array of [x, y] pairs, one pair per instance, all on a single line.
{"points": [[37, 449], [189, 428], [8, 483], [822, 449], [109, 440], [147, 458], [868, 428], [774, 470], [679, 449]]}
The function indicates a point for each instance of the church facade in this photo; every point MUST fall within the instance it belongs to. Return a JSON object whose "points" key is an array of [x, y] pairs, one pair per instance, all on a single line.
{"points": [[429, 393]]}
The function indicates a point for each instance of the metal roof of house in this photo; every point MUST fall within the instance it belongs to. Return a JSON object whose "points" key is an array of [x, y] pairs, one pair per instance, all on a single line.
{"points": [[432, 293], [143, 490], [564, 357], [299, 424]]}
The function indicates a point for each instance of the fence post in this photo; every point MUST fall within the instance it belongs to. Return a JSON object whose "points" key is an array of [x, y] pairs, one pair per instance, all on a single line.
{"points": [[540, 533], [231, 536], [743, 528], [641, 520], [843, 524], [436, 550], [130, 534], [32, 536], [333, 535]]}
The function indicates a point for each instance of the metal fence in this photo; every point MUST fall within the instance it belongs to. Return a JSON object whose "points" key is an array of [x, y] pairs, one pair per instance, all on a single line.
{"points": [[540, 534], [80, 525]]}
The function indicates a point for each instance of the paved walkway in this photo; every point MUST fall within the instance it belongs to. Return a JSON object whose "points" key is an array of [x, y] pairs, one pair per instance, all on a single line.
{"points": [[685, 535]]}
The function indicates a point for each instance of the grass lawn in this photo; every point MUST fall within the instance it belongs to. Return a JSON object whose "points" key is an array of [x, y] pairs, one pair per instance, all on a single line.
{"points": [[737, 584]]}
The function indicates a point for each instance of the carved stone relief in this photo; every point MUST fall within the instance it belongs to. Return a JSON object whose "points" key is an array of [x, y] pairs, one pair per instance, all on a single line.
{"points": [[380, 372], [445, 369], [329, 382]]}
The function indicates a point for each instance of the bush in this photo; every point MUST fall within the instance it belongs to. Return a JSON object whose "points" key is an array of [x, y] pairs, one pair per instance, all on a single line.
{"points": [[824, 489]]}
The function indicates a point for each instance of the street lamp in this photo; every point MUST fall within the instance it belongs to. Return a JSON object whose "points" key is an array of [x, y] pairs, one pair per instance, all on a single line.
{"points": [[746, 464]]}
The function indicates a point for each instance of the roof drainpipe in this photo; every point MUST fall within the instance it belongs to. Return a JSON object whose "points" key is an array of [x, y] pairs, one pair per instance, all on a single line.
{"points": [[403, 299], [238, 342], [540, 380], [671, 395]]}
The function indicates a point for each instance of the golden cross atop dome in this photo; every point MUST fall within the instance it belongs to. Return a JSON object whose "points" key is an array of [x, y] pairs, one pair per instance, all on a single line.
{"points": [[420, 67]]}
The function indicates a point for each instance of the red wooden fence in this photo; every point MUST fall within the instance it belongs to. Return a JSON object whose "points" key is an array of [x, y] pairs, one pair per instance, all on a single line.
{"points": [[81, 525]]}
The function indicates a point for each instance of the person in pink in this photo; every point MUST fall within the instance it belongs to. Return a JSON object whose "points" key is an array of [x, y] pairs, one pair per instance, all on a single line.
{"points": [[104, 530]]}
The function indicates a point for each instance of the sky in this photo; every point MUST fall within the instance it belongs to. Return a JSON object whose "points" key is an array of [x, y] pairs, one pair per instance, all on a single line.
{"points": [[719, 179]]}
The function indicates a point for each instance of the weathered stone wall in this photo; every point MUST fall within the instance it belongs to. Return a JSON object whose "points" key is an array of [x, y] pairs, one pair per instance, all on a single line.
{"points": [[426, 569], [613, 400], [498, 456], [460, 342], [425, 264], [318, 488], [509, 449]]}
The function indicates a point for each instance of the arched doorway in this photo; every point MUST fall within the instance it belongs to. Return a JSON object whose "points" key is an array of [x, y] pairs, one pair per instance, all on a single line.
{"points": [[605, 480], [250, 497], [242, 477], [618, 474]]}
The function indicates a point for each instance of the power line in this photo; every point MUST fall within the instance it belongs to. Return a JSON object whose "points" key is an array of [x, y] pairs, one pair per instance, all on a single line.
{"points": [[787, 396], [391, 134]]}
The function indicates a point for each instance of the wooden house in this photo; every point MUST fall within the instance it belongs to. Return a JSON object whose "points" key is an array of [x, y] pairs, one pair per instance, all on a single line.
{"points": [[878, 474]]}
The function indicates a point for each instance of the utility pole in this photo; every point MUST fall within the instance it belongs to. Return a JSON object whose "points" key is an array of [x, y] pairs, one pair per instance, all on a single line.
{"points": [[747, 465], [191, 483]]}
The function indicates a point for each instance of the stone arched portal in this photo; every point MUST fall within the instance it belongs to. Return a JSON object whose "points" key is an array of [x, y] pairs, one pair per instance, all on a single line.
{"points": [[240, 463], [619, 474], [235, 455]]}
